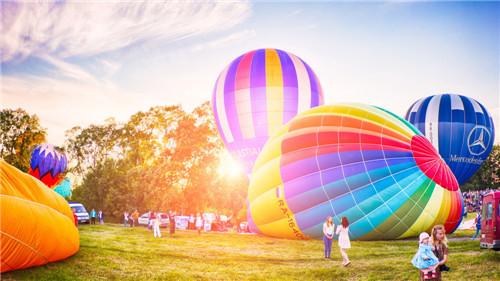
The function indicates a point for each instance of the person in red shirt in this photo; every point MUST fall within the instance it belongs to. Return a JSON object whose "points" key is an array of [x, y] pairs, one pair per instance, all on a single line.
{"points": [[75, 218]]}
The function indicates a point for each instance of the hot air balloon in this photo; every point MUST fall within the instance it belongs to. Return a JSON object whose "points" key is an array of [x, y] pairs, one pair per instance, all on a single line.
{"points": [[47, 164], [64, 188], [357, 161], [256, 94], [459, 127], [36, 224]]}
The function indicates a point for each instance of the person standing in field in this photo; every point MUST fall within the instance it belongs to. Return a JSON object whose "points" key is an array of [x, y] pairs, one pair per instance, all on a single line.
{"points": [[344, 241], [150, 221], [477, 222], [131, 221], [199, 223], [125, 219], [191, 222], [75, 218], [92, 216], [135, 217], [156, 225], [328, 227], [171, 222], [100, 216]]}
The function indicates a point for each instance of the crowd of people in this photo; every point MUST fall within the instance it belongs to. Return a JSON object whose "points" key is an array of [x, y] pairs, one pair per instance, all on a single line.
{"points": [[473, 200], [473, 203], [155, 220], [130, 219], [430, 258]]}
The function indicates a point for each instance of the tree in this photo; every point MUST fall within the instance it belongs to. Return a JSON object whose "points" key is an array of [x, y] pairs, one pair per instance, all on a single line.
{"points": [[93, 145], [162, 159], [19, 134], [488, 176]]}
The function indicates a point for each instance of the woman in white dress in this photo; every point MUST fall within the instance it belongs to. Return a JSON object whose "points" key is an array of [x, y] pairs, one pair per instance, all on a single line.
{"points": [[344, 242]]}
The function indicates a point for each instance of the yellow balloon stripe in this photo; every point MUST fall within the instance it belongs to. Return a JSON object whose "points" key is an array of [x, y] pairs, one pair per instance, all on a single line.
{"points": [[274, 91], [368, 114], [429, 215], [261, 184]]}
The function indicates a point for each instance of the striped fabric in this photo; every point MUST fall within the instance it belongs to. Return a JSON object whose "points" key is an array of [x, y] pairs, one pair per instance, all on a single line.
{"points": [[256, 94], [48, 165], [357, 161], [460, 128]]}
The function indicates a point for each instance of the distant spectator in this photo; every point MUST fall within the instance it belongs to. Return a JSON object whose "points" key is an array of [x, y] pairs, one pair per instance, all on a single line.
{"points": [[171, 219], [223, 223], [150, 219], [191, 222], [131, 221], [100, 216], [125, 219], [75, 217], [135, 217], [199, 223], [477, 222], [156, 225], [92, 216]]}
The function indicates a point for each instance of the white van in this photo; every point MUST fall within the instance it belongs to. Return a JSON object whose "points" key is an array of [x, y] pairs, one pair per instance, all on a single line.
{"points": [[80, 212]]}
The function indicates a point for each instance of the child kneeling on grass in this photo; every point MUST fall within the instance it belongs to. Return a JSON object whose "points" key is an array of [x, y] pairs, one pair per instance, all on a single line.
{"points": [[424, 259]]}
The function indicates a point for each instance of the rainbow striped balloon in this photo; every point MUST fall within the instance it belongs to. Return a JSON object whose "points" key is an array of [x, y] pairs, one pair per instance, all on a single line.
{"points": [[256, 94], [357, 161]]}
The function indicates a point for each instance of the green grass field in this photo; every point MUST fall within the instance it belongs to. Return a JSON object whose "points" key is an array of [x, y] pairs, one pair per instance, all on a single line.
{"points": [[112, 252]]}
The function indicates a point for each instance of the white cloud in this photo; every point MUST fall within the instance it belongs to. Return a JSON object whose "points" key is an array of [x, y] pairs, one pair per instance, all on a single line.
{"points": [[226, 40], [82, 29], [77, 95], [295, 12], [68, 70]]}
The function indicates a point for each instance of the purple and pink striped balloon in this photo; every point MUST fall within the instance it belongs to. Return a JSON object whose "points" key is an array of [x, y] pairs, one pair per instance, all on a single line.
{"points": [[256, 94]]}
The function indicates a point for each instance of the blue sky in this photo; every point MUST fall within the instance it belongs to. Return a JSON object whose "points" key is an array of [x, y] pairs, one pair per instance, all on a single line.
{"points": [[78, 64]]}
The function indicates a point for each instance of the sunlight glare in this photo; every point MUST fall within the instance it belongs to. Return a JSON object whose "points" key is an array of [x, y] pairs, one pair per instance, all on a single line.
{"points": [[228, 166]]}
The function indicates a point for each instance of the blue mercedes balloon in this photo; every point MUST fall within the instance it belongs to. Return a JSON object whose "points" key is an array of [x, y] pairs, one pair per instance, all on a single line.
{"points": [[459, 127]]}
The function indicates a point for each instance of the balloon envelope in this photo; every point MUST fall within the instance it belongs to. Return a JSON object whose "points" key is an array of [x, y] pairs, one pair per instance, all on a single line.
{"points": [[47, 164], [256, 94], [460, 128], [357, 161], [36, 224], [64, 188]]}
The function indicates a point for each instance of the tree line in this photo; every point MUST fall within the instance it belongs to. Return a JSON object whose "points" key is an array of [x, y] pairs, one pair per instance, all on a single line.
{"points": [[161, 159]]}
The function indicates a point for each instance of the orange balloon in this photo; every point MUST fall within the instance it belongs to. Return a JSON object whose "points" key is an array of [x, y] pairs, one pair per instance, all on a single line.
{"points": [[36, 223]]}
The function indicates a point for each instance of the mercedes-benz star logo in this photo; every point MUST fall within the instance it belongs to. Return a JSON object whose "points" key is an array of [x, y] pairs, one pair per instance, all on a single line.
{"points": [[478, 142]]}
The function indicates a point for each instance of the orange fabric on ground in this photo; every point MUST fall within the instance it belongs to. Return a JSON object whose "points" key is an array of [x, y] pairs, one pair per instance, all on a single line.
{"points": [[36, 223]]}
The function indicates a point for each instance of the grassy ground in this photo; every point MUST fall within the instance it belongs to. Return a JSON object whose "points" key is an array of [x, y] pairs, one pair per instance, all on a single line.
{"points": [[112, 252]]}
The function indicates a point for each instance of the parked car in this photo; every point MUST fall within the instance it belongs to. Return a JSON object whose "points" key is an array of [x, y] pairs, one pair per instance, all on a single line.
{"points": [[144, 219], [490, 222], [80, 212]]}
